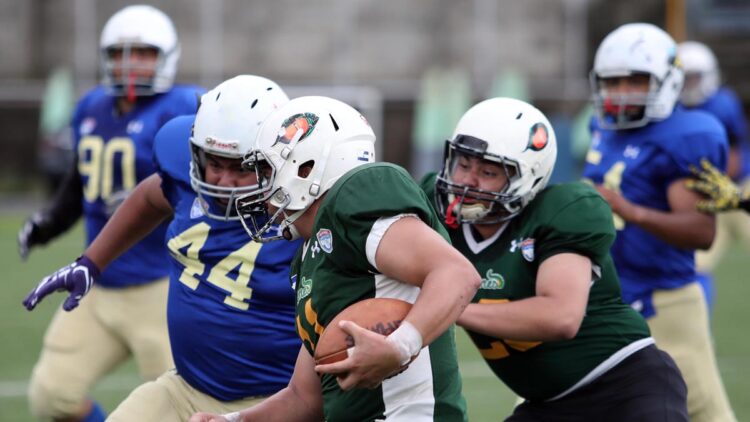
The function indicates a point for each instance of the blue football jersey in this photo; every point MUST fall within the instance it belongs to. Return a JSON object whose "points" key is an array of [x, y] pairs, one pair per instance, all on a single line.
{"points": [[230, 310], [641, 164], [114, 154], [726, 107]]}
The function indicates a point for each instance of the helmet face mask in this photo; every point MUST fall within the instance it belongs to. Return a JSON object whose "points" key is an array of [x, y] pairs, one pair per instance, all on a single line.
{"points": [[226, 125], [125, 71], [464, 204], [628, 51], [518, 144], [300, 153], [625, 110], [131, 69], [252, 206], [217, 201]]}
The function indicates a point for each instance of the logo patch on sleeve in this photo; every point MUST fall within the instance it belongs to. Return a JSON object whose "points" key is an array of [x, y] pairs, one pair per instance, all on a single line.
{"points": [[325, 239], [527, 249]]}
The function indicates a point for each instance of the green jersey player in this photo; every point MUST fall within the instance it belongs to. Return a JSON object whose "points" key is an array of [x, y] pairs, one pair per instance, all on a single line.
{"points": [[360, 221], [548, 317]]}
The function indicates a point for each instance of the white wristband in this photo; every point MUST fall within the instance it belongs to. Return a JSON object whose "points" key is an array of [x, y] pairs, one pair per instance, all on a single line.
{"points": [[232, 417], [408, 341]]}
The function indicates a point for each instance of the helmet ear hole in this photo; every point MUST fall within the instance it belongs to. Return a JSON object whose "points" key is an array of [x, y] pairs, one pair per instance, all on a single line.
{"points": [[305, 169]]}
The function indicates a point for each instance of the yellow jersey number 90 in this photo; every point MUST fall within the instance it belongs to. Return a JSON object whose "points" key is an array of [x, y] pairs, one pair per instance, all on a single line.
{"points": [[96, 161]]}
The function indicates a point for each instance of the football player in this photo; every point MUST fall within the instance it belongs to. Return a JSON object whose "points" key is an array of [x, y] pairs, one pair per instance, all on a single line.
{"points": [[114, 127], [360, 221], [643, 148], [230, 306], [548, 317], [702, 91]]}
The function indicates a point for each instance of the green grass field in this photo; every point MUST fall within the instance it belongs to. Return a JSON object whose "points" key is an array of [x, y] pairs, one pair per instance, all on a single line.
{"points": [[489, 400]]}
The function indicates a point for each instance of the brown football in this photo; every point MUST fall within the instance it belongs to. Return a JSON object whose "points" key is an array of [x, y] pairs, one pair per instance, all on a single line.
{"points": [[381, 315]]}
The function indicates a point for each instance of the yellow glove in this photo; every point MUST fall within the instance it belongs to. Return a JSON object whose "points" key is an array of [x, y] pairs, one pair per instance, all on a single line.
{"points": [[722, 193]]}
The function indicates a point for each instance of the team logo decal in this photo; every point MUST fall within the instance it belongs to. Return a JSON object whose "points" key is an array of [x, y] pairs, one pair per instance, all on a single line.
{"points": [[325, 239], [366, 156], [492, 281], [87, 126], [538, 137], [527, 249], [197, 210], [135, 127], [226, 145], [302, 122], [304, 288]]}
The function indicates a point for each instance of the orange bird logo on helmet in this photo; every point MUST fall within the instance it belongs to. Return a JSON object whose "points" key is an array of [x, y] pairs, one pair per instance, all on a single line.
{"points": [[538, 137], [302, 124]]}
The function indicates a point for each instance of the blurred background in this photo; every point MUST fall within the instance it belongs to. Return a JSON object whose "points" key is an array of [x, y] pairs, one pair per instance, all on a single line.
{"points": [[412, 67]]}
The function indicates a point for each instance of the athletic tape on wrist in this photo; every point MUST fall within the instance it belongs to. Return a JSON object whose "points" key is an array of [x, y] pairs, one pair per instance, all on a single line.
{"points": [[232, 417], [408, 341]]}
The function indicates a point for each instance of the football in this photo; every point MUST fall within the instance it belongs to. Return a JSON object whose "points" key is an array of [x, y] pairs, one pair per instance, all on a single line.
{"points": [[381, 315]]}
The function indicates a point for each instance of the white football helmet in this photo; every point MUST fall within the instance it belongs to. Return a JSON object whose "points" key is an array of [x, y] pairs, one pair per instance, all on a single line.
{"points": [[317, 134], [636, 48], [702, 76], [228, 120], [507, 132], [139, 26]]}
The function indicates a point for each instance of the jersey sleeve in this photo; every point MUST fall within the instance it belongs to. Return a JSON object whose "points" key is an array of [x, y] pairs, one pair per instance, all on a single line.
{"points": [[184, 99], [378, 191], [172, 155], [428, 186], [704, 137], [736, 124], [578, 220]]}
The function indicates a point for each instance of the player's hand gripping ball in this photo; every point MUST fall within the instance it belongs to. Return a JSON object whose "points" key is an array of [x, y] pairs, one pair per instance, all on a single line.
{"points": [[380, 315]]}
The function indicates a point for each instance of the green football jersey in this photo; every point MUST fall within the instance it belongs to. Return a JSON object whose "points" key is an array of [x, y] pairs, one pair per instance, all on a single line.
{"points": [[332, 271], [570, 218]]}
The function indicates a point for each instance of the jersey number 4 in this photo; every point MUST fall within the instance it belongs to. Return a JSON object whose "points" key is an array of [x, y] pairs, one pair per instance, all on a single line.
{"points": [[191, 241]]}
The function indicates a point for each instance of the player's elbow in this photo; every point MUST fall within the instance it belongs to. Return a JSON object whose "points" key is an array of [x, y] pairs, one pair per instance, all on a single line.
{"points": [[565, 326], [705, 239], [471, 279]]}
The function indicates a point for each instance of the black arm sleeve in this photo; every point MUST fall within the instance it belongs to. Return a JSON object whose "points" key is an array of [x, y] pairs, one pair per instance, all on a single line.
{"points": [[65, 209]]}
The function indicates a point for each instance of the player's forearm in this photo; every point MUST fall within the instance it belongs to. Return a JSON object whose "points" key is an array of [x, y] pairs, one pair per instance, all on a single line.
{"points": [[133, 220], [64, 210], [283, 406], [533, 319], [444, 296], [684, 229]]}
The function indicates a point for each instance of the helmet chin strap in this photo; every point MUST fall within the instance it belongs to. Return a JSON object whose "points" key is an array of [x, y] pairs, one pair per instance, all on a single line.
{"points": [[288, 230]]}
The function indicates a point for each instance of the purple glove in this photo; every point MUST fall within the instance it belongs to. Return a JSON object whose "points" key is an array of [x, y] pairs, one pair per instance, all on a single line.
{"points": [[77, 278]]}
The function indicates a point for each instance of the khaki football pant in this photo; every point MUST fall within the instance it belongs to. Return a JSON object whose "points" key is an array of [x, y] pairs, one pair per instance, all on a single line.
{"points": [[171, 399], [83, 345], [680, 328]]}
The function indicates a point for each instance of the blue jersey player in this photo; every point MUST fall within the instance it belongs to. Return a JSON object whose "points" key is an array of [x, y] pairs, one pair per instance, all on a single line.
{"points": [[114, 126], [231, 307], [703, 91], [642, 150]]}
